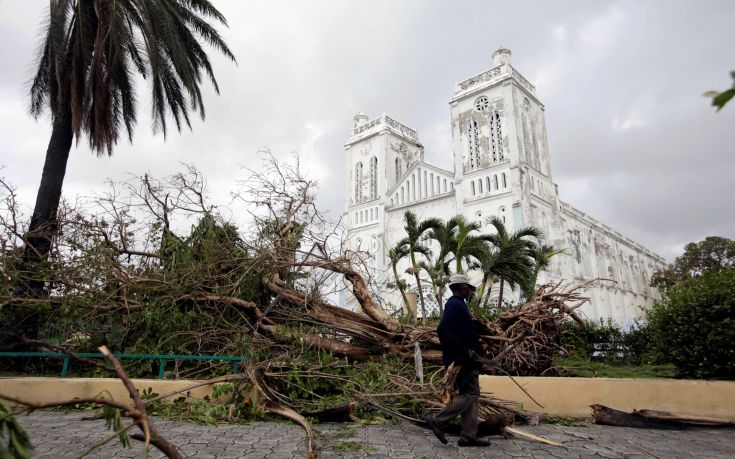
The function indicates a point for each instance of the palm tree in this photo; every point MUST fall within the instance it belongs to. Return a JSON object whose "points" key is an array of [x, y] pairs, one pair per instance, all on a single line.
{"points": [[439, 271], [396, 254], [511, 245], [541, 255], [87, 62], [412, 245], [512, 264], [465, 244]]}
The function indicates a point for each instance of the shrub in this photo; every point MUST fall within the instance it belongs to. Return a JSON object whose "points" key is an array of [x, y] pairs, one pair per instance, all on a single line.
{"points": [[694, 326], [607, 341]]}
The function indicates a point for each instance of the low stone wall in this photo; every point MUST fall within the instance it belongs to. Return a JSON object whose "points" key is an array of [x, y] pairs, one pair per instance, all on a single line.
{"points": [[573, 396], [46, 390]]}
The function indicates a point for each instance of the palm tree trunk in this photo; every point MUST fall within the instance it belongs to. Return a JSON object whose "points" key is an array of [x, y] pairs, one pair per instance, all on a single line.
{"points": [[532, 284], [43, 222], [480, 293], [489, 291], [416, 271], [500, 295], [421, 293], [400, 288]]}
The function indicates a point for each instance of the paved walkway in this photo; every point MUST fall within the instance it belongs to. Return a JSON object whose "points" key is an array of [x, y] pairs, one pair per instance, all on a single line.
{"points": [[57, 435]]}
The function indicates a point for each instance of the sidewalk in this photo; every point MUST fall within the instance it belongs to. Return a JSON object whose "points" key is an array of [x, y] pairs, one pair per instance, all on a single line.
{"points": [[57, 435]]}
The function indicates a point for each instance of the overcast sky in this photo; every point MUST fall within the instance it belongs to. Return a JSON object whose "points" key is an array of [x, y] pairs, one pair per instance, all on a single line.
{"points": [[632, 140]]}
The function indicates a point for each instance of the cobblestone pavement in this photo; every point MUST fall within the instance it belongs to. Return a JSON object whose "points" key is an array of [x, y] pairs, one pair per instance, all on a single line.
{"points": [[57, 435]]}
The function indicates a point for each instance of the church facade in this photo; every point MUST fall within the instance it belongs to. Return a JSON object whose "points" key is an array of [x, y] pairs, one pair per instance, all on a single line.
{"points": [[501, 167]]}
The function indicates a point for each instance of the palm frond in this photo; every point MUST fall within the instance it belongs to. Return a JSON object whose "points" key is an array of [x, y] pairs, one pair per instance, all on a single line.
{"points": [[92, 51]]}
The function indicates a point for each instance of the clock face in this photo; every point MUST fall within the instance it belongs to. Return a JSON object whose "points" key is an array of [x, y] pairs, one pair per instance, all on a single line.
{"points": [[481, 104]]}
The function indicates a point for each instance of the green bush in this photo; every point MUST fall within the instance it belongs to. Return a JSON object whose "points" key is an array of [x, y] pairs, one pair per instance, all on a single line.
{"points": [[694, 326], [606, 341]]}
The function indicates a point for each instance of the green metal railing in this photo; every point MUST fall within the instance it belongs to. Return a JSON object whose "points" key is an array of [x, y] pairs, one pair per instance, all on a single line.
{"points": [[234, 359]]}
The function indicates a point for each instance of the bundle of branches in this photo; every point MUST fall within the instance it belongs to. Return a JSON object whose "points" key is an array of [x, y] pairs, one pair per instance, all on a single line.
{"points": [[523, 340]]}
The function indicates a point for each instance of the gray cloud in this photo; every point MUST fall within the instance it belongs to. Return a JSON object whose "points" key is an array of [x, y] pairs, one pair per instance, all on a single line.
{"points": [[632, 140]]}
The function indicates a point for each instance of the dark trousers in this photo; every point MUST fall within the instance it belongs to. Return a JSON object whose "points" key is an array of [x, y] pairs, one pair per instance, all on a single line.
{"points": [[465, 403]]}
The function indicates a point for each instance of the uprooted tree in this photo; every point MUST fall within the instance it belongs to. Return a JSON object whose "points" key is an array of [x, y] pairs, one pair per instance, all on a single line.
{"points": [[125, 261]]}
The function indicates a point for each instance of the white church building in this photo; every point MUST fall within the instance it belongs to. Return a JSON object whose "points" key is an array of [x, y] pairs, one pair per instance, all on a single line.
{"points": [[501, 167]]}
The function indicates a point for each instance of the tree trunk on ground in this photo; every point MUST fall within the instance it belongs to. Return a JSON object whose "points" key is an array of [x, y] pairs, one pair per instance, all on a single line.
{"points": [[342, 413], [612, 417], [43, 222]]}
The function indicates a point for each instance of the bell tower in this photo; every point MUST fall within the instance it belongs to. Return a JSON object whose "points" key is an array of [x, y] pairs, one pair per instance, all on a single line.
{"points": [[501, 156], [378, 152]]}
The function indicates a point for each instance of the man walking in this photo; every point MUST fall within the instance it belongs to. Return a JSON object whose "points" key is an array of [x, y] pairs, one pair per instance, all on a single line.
{"points": [[461, 346]]}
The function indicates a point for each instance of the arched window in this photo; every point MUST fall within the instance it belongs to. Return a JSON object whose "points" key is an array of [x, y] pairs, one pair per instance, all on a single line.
{"points": [[496, 138], [399, 173], [505, 183], [358, 183], [403, 195], [413, 188], [426, 186], [371, 215], [479, 183], [473, 187], [478, 218], [397, 198], [431, 178], [451, 186], [373, 178], [438, 184], [501, 212], [487, 184], [495, 178], [445, 185], [473, 137]]}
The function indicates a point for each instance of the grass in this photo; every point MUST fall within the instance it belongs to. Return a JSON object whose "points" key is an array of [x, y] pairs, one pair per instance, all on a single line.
{"points": [[593, 369]]}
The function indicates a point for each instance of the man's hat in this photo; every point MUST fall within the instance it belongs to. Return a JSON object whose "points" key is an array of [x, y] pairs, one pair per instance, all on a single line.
{"points": [[456, 279]]}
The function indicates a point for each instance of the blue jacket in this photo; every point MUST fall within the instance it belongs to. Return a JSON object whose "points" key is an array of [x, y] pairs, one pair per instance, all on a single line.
{"points": [[457, 333]]}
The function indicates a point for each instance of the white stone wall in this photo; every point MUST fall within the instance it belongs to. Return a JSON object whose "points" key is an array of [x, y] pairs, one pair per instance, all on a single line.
{"points": [[594, 250]]}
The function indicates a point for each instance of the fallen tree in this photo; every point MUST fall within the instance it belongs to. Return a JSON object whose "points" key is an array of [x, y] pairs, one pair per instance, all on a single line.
{"points": [[653, 419], [263, 293]]}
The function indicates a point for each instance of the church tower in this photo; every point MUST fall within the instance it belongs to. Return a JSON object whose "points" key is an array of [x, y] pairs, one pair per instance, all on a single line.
{"points": [[378, 154], [499, 145]]}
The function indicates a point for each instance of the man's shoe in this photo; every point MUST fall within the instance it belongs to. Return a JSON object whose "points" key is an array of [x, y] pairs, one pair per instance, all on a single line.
{"points": [[473, 442], [431, 422]]}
